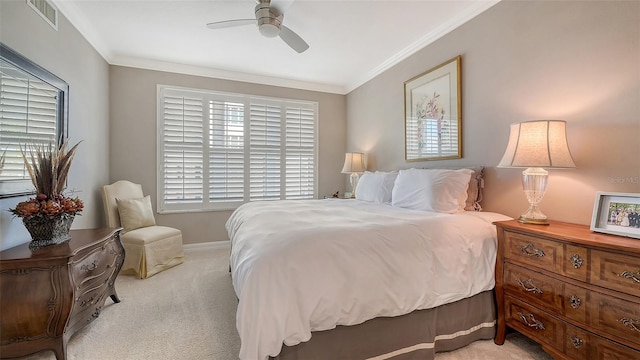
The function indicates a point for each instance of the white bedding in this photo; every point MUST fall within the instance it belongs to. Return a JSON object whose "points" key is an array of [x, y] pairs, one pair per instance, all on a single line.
{"points": [[309, 265]]}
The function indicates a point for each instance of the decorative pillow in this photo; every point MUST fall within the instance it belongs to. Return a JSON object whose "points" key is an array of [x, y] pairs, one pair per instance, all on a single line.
{"points": [[474, 192], [376, 187], [135, 213], [439, 190]]}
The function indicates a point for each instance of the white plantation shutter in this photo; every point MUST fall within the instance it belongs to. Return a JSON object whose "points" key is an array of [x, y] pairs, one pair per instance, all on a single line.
{"points": [[300, 152], [28, 114], [265, 151], [183, 149], [226, 152], [250, 149]]}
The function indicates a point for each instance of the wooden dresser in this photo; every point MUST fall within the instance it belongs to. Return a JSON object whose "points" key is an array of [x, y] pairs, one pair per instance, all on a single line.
{"points": [[48, 294], [575, 292]]}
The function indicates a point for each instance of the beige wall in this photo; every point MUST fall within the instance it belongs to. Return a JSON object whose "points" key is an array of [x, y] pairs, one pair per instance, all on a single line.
{"points": [[577, 61], [69, 56], [522, 60], [133, 138]]}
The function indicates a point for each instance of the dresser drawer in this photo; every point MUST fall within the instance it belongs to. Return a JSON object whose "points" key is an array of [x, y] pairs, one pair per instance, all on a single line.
{"points": [[84, 316], [580, 344], [88, 296], [572, 341], [616, 271], [551, 295], [603, 349], [534, 251], [96, 265], [532, 286], [554, 256], [615, 317], [534, 323]]}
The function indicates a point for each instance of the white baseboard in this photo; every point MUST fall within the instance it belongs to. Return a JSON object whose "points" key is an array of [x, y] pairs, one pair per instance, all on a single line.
{"points": [[226, 244]]}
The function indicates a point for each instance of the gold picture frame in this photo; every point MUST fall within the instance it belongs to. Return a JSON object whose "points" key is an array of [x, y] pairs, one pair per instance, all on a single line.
{"points": [[433, 113]]}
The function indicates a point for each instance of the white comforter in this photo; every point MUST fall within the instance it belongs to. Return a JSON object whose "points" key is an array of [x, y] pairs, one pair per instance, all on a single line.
{"points": [[302, 266]]}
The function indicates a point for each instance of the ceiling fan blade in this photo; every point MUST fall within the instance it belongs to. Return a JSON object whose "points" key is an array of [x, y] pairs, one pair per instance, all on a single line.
{"points": [[280, 6], [292, 39], [230, 23]]}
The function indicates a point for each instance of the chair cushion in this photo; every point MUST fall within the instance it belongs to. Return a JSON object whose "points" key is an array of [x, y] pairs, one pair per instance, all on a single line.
{"points": [[150, 234], [135, 213]]}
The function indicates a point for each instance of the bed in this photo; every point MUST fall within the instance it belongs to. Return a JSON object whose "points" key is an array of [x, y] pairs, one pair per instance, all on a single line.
{"points": [[354, 279]]}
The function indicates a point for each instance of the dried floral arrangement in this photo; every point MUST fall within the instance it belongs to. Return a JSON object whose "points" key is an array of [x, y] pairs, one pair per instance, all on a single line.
{"points": [[48, 166]]}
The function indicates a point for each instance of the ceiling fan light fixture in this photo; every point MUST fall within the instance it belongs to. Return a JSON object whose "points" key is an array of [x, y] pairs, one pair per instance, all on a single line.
{"points": [[269, 22], [269, 30]]}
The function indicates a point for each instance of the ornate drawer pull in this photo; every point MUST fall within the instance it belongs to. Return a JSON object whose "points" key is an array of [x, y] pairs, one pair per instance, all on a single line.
{"points": [[93, 266], [633, 324], [574, 301], [576, 260], [531, 250], [534, 323], [635, 277], [86, 302], [529, 286], [576, 341]]}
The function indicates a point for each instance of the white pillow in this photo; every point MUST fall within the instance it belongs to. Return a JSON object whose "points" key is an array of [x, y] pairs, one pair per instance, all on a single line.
{"points": [[376, 187], [439, 190]]}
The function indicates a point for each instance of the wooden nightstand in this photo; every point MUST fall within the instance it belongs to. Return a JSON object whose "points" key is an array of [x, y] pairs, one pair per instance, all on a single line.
{"points": [[48, 294], [575, 292]]}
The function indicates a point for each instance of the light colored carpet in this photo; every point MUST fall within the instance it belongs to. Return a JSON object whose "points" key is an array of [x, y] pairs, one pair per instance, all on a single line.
{"points": [[188, 312]]}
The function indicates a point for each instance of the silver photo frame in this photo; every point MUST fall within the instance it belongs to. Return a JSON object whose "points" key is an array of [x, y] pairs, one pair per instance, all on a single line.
{"points": [[617, 214]]}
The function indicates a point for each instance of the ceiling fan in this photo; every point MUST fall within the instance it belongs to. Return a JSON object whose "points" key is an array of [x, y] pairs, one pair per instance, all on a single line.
{"points": [[269, 16]]}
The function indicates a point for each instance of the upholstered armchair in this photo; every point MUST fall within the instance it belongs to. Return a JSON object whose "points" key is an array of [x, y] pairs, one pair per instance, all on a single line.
{"points": [[149, 248]]}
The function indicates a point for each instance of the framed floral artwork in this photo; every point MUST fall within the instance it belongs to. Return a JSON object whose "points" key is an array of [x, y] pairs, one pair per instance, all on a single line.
{"points": [[433, 114]]}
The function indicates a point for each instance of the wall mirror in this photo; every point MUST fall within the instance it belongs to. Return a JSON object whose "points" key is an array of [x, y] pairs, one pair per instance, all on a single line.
{"points": [[33, 110]]}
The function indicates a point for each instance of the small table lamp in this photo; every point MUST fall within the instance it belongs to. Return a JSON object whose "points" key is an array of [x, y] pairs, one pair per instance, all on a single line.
{"points": [[353, 164], [534, 145]]}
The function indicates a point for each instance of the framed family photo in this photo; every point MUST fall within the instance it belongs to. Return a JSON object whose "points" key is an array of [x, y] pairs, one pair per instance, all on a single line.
{"points": [[433, 113], [617, 214]]}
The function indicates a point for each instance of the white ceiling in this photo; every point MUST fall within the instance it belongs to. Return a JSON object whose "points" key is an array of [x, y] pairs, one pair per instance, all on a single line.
{"points": [[350, 41]]}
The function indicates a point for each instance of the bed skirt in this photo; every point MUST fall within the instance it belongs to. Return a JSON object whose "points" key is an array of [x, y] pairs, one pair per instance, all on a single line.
{"points": [[418, 335]]}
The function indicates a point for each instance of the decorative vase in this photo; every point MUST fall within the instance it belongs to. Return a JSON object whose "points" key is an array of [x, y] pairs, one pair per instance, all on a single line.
{"points": [[45, 230]]}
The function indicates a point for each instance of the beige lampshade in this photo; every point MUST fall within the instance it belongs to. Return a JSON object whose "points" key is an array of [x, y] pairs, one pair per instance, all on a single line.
{"points": [[538, 144], [353, 163]]}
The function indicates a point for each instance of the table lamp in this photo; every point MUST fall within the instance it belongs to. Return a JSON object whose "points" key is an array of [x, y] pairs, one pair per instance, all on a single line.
{"points": [[536, 145], [353, 164]]}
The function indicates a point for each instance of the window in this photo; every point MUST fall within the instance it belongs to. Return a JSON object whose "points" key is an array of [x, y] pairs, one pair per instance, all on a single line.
{"points": [[33, 110], [219, 150]]}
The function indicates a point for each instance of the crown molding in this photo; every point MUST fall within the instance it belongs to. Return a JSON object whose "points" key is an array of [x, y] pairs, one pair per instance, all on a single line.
{"points": [[73, 14], [226, 74], [432, 36]]}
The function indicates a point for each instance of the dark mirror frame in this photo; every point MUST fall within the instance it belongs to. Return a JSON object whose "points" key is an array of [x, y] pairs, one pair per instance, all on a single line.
{"points": [[9, 55]]}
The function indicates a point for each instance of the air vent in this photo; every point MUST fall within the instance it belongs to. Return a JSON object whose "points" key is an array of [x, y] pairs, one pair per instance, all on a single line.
{"points": [[46, 10]]}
